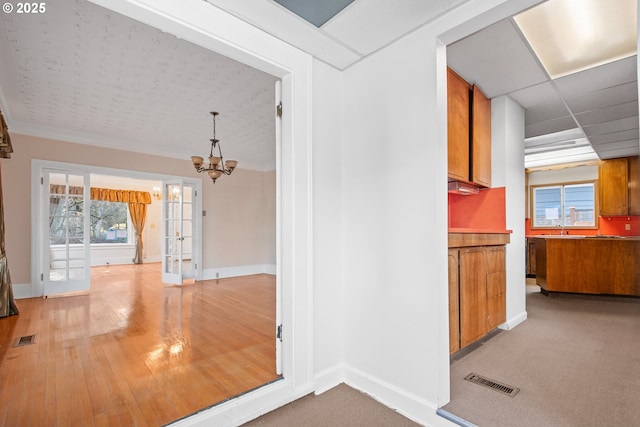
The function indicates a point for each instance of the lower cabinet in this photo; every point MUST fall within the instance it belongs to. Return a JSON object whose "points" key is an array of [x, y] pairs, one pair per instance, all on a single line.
{"points": [[477, 291]]}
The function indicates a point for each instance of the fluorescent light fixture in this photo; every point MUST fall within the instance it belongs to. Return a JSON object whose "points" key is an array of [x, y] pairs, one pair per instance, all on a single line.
{"points": [[561, 147], [573, 35]]}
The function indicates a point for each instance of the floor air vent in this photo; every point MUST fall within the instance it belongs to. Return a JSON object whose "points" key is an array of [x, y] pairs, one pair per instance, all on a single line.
{"points": [[26, 340], [494, 385]]}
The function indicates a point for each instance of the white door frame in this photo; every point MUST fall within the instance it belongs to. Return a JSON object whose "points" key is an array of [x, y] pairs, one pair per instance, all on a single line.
{"points": [[37, 167]]}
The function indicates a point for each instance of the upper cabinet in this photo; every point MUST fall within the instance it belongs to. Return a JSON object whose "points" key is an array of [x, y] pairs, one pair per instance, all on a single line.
{"points": [[458, 126], [480, 138], [469, 128], [634, 185], [618, 186]]}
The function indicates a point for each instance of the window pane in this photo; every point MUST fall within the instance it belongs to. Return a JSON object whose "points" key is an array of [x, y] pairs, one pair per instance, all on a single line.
{"points": [[579, 205], [109, 222], [547, 203]]}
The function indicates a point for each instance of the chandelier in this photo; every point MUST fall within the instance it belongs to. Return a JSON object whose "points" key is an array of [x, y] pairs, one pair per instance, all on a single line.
{"points": [[217, 165]]}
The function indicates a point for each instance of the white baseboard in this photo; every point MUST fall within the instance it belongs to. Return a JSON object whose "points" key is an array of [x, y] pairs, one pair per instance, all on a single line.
{"points": [[97, 261], [409, 405], [22, 290], [514, 321], [328, 379], [242, 270]]}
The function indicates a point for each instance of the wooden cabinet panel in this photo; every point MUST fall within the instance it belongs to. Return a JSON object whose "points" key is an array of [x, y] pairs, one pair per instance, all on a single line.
{"points": [[613, 185], [481, 138], [473, 295], [496, 286], [458, 126], [531, 257], [589, 265], [634, 185], [454, 302], [477, 291]]}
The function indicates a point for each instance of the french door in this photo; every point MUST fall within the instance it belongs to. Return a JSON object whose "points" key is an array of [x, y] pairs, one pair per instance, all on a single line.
{"points": [[178, 201], [66, 266]]}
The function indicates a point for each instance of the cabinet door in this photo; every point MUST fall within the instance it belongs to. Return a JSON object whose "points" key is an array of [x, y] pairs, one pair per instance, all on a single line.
{"points": [[458, 126], [473, 295], [481, 139], [613, 184], [454, 303], [496, 286], [634, 185]]}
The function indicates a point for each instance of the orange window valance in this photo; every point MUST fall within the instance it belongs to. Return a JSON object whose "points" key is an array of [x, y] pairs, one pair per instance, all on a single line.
{"points": [[107, 194], [126, 196]]}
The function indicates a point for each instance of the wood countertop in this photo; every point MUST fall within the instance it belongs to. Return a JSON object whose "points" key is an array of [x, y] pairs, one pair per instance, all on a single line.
{"points": [[478, 238]]}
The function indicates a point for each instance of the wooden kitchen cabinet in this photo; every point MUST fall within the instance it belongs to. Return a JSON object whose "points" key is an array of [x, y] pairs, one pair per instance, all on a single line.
{"points": [[477, 289], [598, 265], [458, 126], [531, 258], [469, 132], [618, 186], [495, 258], [481, 138], [634, 185], [473, 295], [454, 304]]}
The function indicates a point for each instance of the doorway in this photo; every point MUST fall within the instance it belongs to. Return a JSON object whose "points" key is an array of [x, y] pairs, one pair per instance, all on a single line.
{"points": [[62, 233]]}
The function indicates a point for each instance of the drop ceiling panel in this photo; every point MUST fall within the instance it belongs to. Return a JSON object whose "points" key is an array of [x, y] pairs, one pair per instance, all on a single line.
{"points": [[604, 76], [603, 98], [549, 126], [603, 115], [372, 24], [546, 112], [497, 59], [627, 135], [629, 123], [612, 153], [543, 93]]}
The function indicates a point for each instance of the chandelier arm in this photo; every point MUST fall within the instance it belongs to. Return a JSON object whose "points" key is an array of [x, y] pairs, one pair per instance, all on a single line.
{"points": [[222, 168]]}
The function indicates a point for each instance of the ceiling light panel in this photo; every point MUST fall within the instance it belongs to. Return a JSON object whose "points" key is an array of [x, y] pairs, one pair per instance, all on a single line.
{"points": [[574, 35]]}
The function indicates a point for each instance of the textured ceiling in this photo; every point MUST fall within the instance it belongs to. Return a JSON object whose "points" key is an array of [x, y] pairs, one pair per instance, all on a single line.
{"points": [[85, 74]]}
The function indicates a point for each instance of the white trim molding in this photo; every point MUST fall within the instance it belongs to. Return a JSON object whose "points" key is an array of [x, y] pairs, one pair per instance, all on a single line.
{"points": [[237, 271]]}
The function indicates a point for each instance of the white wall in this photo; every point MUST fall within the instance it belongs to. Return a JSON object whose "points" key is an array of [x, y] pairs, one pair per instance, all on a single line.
{"points": [[395, 204], [507, 158], [395, 221], [329, 260]]}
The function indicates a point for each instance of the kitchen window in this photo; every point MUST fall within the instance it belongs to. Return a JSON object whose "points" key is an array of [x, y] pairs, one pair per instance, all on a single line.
{"points": [[564, 205]]}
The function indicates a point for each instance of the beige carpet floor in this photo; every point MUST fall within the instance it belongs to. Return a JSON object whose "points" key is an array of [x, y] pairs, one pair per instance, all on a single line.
{"points": [[342, 406], [576, 361]]}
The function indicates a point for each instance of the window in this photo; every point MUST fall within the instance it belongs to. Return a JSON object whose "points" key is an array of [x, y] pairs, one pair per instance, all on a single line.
{"points": [[109, 222], [565, 205]]}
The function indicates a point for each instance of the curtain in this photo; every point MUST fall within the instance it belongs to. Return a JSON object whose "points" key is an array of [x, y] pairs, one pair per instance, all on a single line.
{"points": [[137, 201], [8, 305], [138, 212]]}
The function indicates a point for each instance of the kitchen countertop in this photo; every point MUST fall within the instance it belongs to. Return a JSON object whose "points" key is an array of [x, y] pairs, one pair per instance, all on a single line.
{"points": [[478, 230], [576, 236]]}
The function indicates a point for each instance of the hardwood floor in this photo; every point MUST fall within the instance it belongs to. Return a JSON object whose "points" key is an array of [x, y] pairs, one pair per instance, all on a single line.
{"points": [[135, 351]]}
